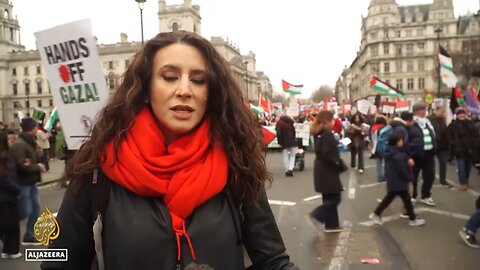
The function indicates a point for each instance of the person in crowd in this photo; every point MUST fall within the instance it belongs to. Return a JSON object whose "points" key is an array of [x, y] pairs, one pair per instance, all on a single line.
{"points": [[3, 127], [11, 137], [26, 154], [422, 145], [439, 123], [53, 141], [263, 121], [467, 233], [476, 122], [286, 138], [380, 123], [44, 143], [327, 169], [337, 128], [357, 133], [9, 190], [183, 159], [462, 137], [302, 117], [273, 120], [398, 174]]}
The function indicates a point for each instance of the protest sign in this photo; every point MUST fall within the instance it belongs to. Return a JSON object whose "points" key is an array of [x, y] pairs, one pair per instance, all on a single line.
{"points": [[70, 57], [363, 105]]}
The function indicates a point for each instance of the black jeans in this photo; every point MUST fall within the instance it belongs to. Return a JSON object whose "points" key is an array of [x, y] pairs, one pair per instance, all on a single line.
{"points": [[427, 166], [327, 212], [10, 227], [388, 200], [354, 152], [442, 157]]}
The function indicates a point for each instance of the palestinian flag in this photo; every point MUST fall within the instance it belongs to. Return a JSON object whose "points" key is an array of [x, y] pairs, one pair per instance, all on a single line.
{"points": [[268, 136], [53, 118], [256, 109], [262, 103], [455, 99], [446, 68], [39, 115], [291, 88], [384, 88]]}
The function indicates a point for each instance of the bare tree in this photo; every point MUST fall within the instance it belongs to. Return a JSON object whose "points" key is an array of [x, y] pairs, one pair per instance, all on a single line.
{"points": [[277, 98], [325, 91]]}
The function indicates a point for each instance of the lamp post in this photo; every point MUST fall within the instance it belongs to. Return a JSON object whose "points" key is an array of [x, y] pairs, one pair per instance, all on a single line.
{"points": [[438, 31], [246, 78], [141, 4]]}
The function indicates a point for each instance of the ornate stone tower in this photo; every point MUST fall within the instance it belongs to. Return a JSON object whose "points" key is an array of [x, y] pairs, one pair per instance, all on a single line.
{"points": [[179, 17], [9, 29], [441, 10]]}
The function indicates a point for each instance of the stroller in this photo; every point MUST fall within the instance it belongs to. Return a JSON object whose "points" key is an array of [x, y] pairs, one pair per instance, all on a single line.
{"points": [[299, 156]]}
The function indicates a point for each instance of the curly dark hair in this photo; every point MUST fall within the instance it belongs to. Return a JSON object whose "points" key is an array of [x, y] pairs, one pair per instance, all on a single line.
{"points": [[232, 123]]}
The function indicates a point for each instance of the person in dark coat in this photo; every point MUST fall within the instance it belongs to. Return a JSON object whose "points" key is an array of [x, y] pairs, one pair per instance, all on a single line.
{"points": [[398, 175], [327, 169], [438, 120], [286, 138], [9, 190], [358, 133], [462, 137]]}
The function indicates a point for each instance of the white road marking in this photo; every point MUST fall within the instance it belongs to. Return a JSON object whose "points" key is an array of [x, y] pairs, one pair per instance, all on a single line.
{"points": [[370, 166], [471, 191], [312, 198], [341, 249], [372, 185], [286, 203], [352, 183]]}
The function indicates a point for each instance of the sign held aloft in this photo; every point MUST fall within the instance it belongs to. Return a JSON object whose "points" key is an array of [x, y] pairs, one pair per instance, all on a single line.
{"points": [[70, 56]]}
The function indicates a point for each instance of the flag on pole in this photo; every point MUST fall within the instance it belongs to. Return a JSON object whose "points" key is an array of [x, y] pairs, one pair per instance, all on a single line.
{"points": [[385, 88], [455, 99], [291, 88], [38, 114], [262, 103], [471, 101], [446, 68], [52, 120], [256, 109]]}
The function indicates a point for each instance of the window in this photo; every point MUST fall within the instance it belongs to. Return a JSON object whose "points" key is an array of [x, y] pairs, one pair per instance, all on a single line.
{"points": [[386, 48], [445, 29], [400, 84], [421, 83], [385, 34], [399, 33], [15, 104], [39, 103], [39, 87], [111, 81], [27, 88], [49, 89], [398, 49], [374, 50], [399, 66], [25, 71], [14, 72], [410, 84], [12, 34], [15, 89], [175, 27], [421, 47], [386, 67], [421, 65], [373, 35], [39, 70], [50, 102], [409, 49], [110, 64], [420, 32], [408, 33], [27, 103], [375, 67], [410, 67], [127, 62]]}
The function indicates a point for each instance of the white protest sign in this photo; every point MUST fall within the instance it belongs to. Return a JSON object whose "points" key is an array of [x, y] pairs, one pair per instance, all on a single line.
{"points": [[293, 109], [363, 105], [70, 57]]}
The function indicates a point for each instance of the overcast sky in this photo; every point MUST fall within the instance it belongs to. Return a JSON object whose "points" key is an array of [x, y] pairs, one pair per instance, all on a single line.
{"points": [[303, 41]]}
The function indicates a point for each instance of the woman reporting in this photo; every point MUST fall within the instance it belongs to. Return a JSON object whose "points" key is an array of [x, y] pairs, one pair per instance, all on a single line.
{"points": [[184, 160]]}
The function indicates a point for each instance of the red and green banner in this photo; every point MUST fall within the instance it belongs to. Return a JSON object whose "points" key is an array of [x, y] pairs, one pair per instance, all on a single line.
{"points": [[385, 88], [292, 89]]}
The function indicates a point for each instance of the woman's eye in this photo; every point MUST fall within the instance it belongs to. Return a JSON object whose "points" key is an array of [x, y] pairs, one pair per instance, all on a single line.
{"points": [[170, 78], [198, 81]]}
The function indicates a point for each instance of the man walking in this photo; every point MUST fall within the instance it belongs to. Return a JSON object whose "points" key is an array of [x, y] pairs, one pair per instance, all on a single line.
{"points": [[422, 144], [25, 153], [438, 120], [286, 138]]}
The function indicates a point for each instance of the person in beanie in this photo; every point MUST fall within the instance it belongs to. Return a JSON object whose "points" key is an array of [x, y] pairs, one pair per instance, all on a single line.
{"points": [[438, 120], [422, 145], [286, 138], [25, 153], [398, 174], [462, 137]]}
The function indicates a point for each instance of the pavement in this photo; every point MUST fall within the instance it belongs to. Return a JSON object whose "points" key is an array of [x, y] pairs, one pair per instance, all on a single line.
{"points": [[395, 245]]}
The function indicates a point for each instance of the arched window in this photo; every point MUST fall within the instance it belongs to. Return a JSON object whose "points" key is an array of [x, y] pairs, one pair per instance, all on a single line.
{"points": [[174, 27], [6, 15]]}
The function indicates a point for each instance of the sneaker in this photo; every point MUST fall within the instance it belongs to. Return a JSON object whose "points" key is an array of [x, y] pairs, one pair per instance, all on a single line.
{"points": [[360, 171], [333, 230], [289, 174], [417, 222], [404, 216], [414, 201], [428, 201], [11, 256], [30, 242], [376, 218], [446, 185], [469, 239]]}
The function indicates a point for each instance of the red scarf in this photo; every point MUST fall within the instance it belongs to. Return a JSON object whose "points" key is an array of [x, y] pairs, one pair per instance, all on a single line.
{"points": [[186, 173]]}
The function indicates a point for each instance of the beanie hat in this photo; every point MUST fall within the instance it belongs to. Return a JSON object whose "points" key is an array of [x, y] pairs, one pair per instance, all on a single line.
{"points": [[460, 110], [419, 106], [28, 124]]}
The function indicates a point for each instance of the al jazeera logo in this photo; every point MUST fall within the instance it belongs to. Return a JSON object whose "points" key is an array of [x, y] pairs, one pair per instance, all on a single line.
{"points": [[46, 230]]}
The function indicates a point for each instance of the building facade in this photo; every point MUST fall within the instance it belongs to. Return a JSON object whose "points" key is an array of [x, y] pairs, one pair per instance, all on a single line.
{"points": [[399, 45], [24, 85]]}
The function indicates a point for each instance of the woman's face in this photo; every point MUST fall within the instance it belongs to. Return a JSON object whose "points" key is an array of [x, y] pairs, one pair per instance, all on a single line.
{"points": [[357, 119], [330, 124], [178, 89]]}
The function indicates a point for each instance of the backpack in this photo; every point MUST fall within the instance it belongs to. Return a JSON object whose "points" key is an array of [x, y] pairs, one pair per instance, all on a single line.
{"points": [[383, 134]]}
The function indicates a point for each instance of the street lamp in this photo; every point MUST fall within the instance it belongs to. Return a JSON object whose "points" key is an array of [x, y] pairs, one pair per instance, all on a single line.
{"points": [[438, 31], [141, 4], [246, 78]]}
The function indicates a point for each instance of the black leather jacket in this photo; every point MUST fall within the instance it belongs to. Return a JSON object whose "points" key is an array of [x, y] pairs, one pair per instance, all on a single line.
{"points": [[137, 233]]}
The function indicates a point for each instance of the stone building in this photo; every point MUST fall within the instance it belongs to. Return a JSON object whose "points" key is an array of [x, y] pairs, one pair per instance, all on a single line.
{"points": [[24, 85], [398, 45]]}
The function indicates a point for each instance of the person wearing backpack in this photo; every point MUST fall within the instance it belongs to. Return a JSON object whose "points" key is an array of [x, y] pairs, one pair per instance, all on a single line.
{"points": [[183, 158], [380, 123]]}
